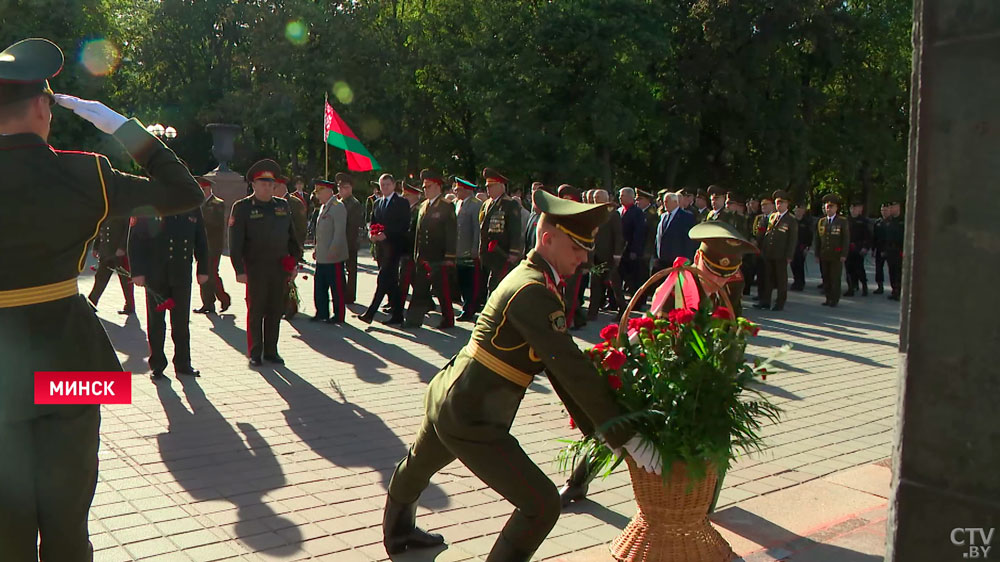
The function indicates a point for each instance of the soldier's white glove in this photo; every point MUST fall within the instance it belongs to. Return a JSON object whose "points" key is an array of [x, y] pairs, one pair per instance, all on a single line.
{"points": [[644, 455], [102, 116]]}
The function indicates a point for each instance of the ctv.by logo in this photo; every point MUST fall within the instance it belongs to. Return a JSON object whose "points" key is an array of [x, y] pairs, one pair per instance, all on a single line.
{"points": [[977, 539]]}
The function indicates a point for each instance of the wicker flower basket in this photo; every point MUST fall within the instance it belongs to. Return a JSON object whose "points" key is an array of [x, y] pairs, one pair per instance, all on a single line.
{"points": [[671, 524]]}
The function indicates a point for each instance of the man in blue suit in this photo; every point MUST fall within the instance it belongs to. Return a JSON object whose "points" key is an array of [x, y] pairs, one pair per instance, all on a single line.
{"points": [[634, 231], [672, 238], [392, 212]]}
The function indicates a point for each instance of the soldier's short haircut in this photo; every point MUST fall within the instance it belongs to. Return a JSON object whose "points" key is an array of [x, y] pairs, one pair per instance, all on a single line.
{"points": [[16, 109]]}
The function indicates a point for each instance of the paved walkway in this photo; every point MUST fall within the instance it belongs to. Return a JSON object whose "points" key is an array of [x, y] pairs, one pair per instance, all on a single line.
{"points": [[292, 463]]}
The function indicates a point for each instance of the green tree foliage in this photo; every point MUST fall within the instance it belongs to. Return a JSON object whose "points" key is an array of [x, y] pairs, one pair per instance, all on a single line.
{"points": [[806, 95]]}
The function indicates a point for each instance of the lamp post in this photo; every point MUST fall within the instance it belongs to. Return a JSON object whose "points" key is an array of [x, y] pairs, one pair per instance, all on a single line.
{"points": [[169, 133]]}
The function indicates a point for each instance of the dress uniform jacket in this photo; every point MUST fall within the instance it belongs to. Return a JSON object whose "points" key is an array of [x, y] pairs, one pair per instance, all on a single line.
{"points": [[832, 244], [113, 237], [861, 241], [471, 403], [467, 268], [609, 243], [355, 225], [38, 290], [213, 212], [777, 248], [332, 244], [500, 225], [300, 219]]}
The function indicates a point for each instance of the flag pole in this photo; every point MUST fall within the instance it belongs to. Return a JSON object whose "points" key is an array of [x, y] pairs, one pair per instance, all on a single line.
{"points": [[326, 145]]}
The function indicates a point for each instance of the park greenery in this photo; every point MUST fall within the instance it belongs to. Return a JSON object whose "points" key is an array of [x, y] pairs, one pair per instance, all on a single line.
{"points": [[754, 95]]}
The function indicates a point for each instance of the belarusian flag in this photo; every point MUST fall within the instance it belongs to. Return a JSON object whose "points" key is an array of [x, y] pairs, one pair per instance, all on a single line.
{"points": [[338, 134]]}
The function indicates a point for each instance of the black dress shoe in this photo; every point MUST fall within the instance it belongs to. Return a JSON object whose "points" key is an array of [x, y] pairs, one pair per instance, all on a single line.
{"points": [[256, 362], [126, 311], [204, 310], [832, 305], [333, 320], [225, 306], [466, 318], [366, 318], [878, 291], [189, 370], [794, 288], [777, 308], [849, 293], [826, 303], [445, 325], [393, 321], [864, 290], [274, 359], [763, 306], [157, 376], [317, 319]]}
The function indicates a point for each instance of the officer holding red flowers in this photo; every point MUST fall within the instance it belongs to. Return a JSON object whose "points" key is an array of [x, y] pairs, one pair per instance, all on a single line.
{"points": [[160, 252], [265, 251], [501, 240]]}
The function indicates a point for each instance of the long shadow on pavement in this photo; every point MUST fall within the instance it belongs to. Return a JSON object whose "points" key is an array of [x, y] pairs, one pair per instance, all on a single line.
{"points": [[207, 457], [130, 340], [343, 433], [782, 544], [767, 341]]}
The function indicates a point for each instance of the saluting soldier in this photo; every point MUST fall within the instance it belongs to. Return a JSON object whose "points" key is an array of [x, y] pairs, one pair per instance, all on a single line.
{"points": [[608, 247], [161, 251], [467, 248], [48, 468], [213, 212], [265, 255], [500, 236], [778, 248], [355, 222], [110, 253], [831, 246], [433, 254], [861, 238], [471, 403], [330, 253]]}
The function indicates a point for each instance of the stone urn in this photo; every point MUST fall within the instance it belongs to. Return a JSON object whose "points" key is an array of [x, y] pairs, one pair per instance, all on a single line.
{"points": [[223, 139]]}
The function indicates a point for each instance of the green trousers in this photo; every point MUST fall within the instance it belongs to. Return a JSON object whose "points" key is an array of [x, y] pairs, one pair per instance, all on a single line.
{"points": [[48, 474], [498, 461]]}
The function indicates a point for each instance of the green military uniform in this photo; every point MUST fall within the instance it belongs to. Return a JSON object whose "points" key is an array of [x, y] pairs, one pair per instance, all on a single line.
{"points": [[833, 237], [48, 470], [608, 247], [213, 212], [261, 237], [110, 241], [300, 224], [778, 248], [649, 248], [406, 263], [734, 287], [434, 256], [355, 222], [472, 402], [757, 232], [501, 241], [161, 249]]}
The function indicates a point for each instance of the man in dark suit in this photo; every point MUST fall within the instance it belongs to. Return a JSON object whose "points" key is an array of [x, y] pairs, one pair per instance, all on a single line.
{"points": [[672, 233], [634, 232], [392, 212]]}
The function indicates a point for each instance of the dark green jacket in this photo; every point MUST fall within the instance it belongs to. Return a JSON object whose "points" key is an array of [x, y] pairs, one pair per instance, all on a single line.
{"points": [[781, 237], [162, 249], [113, 237], [500, 223], [213, 212], [832, 240], [81, 191], [436, 231], [261, 234], [522, 328]]}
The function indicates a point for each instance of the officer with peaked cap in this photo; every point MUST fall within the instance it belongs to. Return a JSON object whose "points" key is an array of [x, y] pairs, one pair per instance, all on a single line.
{"points": [[49, 467], [778, 248], [501, 239], [265, 254], [413, 195], [355, 223], [833, 238], [213, 211], [471, 403], [467, 248], [433, 254]]}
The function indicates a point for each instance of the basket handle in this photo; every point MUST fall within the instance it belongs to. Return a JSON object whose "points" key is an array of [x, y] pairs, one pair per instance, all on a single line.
{"points": [[654, 279]]}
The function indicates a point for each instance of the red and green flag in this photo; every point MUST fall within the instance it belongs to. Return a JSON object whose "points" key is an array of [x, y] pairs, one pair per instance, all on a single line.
{"points": [[338, 134]]}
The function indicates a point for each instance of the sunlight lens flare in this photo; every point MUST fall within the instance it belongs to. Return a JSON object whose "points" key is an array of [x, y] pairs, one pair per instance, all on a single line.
{"points": [[100, 57], [296, 32]]}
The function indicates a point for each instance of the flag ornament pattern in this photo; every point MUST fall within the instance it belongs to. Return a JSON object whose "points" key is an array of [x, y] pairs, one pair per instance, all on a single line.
{"points": [[338, 134]]}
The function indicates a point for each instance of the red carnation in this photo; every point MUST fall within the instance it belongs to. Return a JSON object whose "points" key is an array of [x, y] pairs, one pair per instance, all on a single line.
{"points": [[572, 423], [93, 268], [609, 332], [614, 382], [723, 313], [763, 374], [680, 315], [165, 305], [375, 229], [599, 348], [491, 246], [613, 360], [754, 329], [643, 323], [289, 264]]}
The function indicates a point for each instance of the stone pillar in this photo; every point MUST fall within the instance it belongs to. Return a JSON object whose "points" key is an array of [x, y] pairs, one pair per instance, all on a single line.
{"points": [[946, 461], [229, 185]]}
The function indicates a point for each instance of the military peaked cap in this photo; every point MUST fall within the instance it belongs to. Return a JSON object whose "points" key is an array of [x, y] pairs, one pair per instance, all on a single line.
{"points": [[430, 175], [722, 246], [831, 198], [566, 190], [344, 177], [491, 175], [323, 184], [407, 188], [578, 220], [736, 198], [464, 184], [264, 169], [25, 69], [716, 190], [643, 193], [781, 194]]}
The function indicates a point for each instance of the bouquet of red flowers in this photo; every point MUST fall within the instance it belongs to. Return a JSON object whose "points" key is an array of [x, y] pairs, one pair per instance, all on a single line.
{"points": [[685, 385], [289, 264], [375, 229]]}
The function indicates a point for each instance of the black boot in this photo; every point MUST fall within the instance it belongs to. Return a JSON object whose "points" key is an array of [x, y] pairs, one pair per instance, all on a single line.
{"points": [[579, 482], [399, 528], [864, 289], [503, 551]]}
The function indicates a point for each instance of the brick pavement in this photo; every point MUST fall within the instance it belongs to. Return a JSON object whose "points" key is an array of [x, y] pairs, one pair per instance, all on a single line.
{"points": [[291, 463]]}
